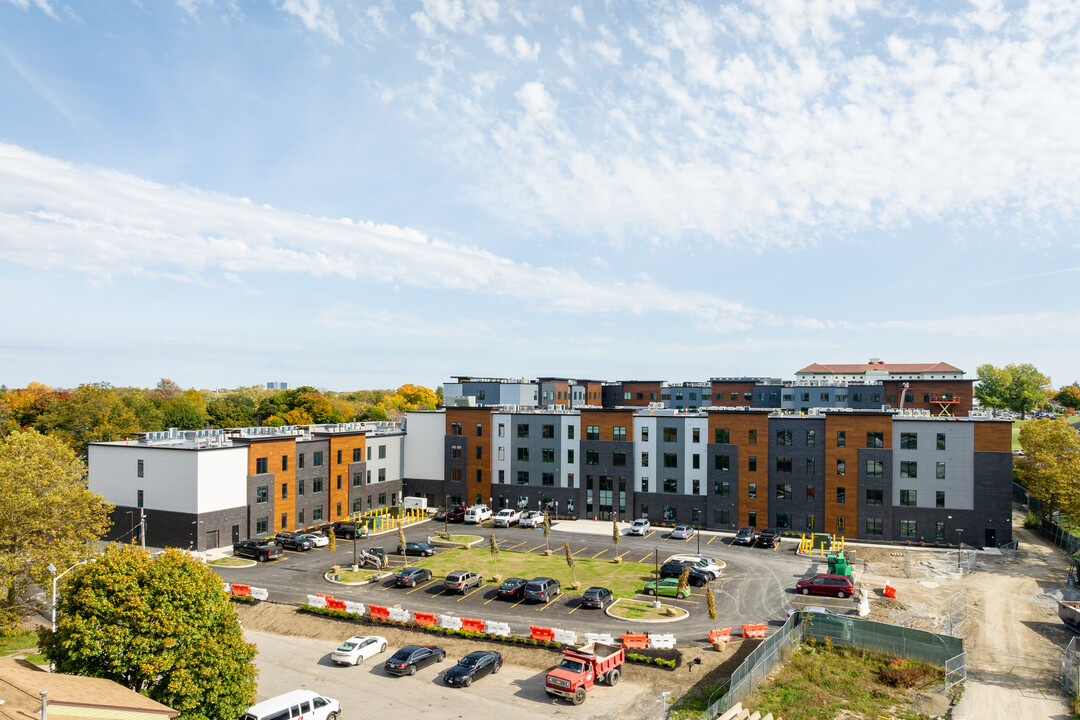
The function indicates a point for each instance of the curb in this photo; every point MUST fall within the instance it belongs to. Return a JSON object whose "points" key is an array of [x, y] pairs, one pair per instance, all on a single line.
{"points": [[372, 581], [251, 563], [607, 611]]}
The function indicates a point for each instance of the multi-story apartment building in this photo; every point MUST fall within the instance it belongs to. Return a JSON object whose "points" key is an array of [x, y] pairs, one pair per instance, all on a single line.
{"points": [[208, 488]]}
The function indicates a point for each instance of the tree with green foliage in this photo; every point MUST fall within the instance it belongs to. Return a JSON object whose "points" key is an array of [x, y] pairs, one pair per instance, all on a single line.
{"points": [[1069, 396], [162, 627], [231, 410], [1050, 467], [93, 412], [1020, 388], [186, 411], [47, 515]]}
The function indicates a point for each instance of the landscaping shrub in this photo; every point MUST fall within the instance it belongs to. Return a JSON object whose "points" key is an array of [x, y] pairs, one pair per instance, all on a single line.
{"points": [[902, 673], [1031, 521]]}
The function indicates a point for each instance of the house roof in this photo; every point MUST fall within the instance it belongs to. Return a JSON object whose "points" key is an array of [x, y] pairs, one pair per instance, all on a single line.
{"points": [[897, 368]]}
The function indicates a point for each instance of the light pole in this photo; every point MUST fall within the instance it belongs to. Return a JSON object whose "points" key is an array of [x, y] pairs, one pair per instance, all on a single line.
{"points": [[960, 547], [52, 570], [697, 531]]}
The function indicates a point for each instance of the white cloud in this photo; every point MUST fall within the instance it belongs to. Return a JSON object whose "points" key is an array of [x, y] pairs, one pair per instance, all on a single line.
{"points": [[467, 17], [524, 51], [608, 53], [315, 16], [536, 100], [577, 15], [42, 5]]}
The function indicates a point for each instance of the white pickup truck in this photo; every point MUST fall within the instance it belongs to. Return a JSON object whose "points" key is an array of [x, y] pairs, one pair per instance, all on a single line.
{"points": [[506, 518]]}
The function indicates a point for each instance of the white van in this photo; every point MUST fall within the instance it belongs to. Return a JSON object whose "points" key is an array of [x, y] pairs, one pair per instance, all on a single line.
{"points": [[477, 514], [295, 705]]}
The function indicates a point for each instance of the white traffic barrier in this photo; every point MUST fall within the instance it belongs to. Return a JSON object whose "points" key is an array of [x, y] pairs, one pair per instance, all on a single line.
{"points": [[316, 601], [449, 621], [354, 607], [662, 642], [496, 628], [259, 593], [600, 638], [398, 615], [228, 588], [564, 636], [864, 602]]}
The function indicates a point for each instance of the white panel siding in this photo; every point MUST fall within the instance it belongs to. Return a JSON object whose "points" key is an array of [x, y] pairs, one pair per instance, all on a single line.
{"points": [[649, 447], [958, 456], [222, 479], [423, 445]]}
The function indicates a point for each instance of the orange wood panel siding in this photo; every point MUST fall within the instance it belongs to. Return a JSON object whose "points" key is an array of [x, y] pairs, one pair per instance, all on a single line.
{"points": [[721, 392], [961, 390], [855, 428], [993, 436], [647, 390], [345, 444], [606, 422], [593, 393], [739, 425], [273, 451], [469, 419]]}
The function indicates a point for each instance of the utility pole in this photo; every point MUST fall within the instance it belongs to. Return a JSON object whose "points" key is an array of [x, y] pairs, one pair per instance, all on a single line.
{"points": [[142, 527]]}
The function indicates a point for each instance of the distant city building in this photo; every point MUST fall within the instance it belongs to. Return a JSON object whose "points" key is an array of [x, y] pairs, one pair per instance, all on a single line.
{"points": [[277, 385]]}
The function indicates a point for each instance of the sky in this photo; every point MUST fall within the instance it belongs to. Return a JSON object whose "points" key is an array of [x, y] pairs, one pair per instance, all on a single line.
{"points": [[354, 194]]}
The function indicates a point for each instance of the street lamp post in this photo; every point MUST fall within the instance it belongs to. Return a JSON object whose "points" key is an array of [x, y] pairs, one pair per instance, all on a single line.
{"points": [[52, 570], [697, 531], [960, 546]]}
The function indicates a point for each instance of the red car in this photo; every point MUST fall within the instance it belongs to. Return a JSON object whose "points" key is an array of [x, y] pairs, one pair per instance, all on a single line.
{"points": [[838, 585], [456, 514]]}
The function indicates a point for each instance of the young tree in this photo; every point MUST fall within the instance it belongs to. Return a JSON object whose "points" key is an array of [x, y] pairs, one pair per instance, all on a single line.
{"points": [[710, 600], [684, 579], [1051, 465], [547, 532], [162, 627], [616, 537], [572, 564], [493, 548], [1020, 388], [401, 535], [47, 515], [332, 546]]}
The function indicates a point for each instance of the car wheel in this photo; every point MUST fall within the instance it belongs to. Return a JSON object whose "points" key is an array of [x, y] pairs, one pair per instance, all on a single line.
{"points": [[359, 659], [579, 696], [841, 594], [332, 716], [497, 668], [613, 677], [466, 682], [412, 669], [680, 596], [442, 656], [806, 591], [650, 591], [382, 648]]}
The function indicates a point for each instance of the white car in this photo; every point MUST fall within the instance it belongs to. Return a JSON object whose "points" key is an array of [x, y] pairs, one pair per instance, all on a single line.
{"points": [[531, 519], [477, 514], [506, 518], [319, 539], [708, 564], [358, 648], [641, 526]]}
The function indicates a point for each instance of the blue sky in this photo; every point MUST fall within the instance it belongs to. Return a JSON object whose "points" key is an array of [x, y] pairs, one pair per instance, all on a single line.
{"points": [[357, 195]]}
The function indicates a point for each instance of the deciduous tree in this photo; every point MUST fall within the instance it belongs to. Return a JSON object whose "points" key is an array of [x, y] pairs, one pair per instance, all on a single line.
{"points": [[1069, 396], [1050, 467], [1020, 388], [162, 627]]}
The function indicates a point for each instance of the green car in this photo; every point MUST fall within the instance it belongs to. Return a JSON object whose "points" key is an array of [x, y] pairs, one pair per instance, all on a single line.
{"points": [[667, 586]]}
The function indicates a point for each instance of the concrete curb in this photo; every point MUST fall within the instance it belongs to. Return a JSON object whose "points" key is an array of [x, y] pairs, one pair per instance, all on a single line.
{"points": [[250, 563], [372, 581], [607, 611]]}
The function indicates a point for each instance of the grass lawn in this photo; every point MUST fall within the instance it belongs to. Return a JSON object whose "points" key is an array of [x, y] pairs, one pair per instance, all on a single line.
{"points": [[21, 640], [347, 575], [624, 579], [232, 562], [642, 610], [463, 539]]}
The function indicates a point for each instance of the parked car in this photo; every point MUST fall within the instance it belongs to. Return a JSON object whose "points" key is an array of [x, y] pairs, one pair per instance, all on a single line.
{"points": [[318, 539], [411, 658], [543, 589], [667, 586], [348, 530], [597, 597], [506, 518], [512, 589], [811, 609], [745, 536], [456, 514], [440, 514], [641, 526], [472, 667], [358, 648], [768, 537], [674, 569], [531, 519], [702, 562], [461, 580], [259, 550], [838, 585], [477, 514], [411, 576], [421, 549], [290, 704], [682, 532], [293, 541]]}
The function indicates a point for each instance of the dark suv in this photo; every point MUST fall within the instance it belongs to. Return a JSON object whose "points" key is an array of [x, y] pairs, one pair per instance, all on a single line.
{"points": [[292, 541], [461, 580], [346, 530], [542, 589], [674, 569]]}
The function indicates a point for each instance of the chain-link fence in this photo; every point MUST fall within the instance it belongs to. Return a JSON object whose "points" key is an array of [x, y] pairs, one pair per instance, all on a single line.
{"points": [[1069, 668], [955, 670], [1009, 551], [1048, 528], [925, 564], [955, 613]]}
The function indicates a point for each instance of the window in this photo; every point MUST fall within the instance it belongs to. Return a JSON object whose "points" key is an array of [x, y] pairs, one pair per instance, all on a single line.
{"points": [[697, 487], [618, 459], [941, 441], [369, 452], [811, 438], [628, 395], [722, 488], [502, 430], [824, 397], [382, 474], [875, 496], [939, 499], [262, 493], [939, 531], [619, 433], [357, 479], [907, 528], [810, 522], [547, 479], [671, 434], [300, 458], [751, 463], [783, 464], [875, 440], [722, 462], [338, 510], [592, 457], [810, 466], [261, 466], [783, 521], [523, 477], [722, 436], [751, 519], [908, 497], [671, 460], [909, 441], [783, 437], [891, 398], [873, 526], [299, 488], [284, 520], [338, 482], [783, 491], [382, 452], [523, 454], [569, 432], [722, 517], [751, 490], [357, 456], [316, 485], [856, 397], [644, 434], [284, 491], [909, 469], [841, 495], [592, 432], [522, 430], [479, 430], [455, 428], [805, 397], [316, 513], [841, 525], [644, 459], [502, 477], [644, 484], [357, 505], [671, 485], [382, 499], [570, 456], [753, 437], [479, 452], [841, 466], [569, 479], [841, 438], [262, 526], [139, 468], [874, 469], [811, 493], [671, 513], [695, 434], [502, 453], [338, 457], [941, 471], [695, 461], [547, 431], [547, 455], [455, 452], [316, 458]]}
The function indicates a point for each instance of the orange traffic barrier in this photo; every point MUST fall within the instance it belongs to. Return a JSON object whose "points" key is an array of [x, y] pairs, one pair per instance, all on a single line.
{"points": [[333, 604], [424, 618], [322, 595], [472, 625], [541, 633], [721, 635], [890, 591], [754, 630], [379, 612], [242, 590], [633, 640]]}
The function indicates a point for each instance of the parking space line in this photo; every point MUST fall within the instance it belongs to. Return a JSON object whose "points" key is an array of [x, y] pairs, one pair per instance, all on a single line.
{"points": [[645, 558], [421, 587], [537, 547], [580, 551], [515, 546], [576, 608], [711, 539], [478, 589], [518, 603], [625, 553], [651, 533], [599, 553], [688, 539], [547, 604]]}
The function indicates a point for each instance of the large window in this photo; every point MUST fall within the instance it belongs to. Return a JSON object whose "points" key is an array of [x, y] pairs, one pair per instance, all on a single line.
{"points": [[522, 430], [619, 433], [262, 526], [316, 513], [751, 490], [592, 432], [671, 513], [382, 452], [721, 517], [523, 477], [941, 441], [618, 459], [939, 499], [908, 497], [455, 428], [671, 434], [547, 455], [841, 438], [671, 460], [875, 440], [783, 521], [316, 458], [783, 464], [316, 485], [722, 436], [841, 495], [722, 462], [262, 493], [260, 466], [811, 438], [783, 437], [908, 529], [455, 452], [523, 454], [874, 469], [783, 491], [357, 456], [382, 474], [547, 431], [909, 441], [873, 526], [875, 496], [671, 485], [547, 479], [592, 457], [721, 488], [357, 479], [909, 469]]}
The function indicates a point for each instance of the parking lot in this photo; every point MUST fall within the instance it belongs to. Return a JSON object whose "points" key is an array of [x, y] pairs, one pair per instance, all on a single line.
{"points": [[756, 585]]}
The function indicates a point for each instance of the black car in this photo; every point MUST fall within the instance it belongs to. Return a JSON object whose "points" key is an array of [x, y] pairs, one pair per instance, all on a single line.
{"points": [[411, 576], [410, 658], [597, 597], [512, 589], [440, 514], [292, 541], [346, 530], [417, 548], [674, 569], [257, 550], [473, 666], [767, 537]]}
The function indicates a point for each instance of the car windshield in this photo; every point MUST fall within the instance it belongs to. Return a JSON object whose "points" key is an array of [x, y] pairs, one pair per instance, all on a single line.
{"points": [[347, 646], [470, 660], [572, 665]]}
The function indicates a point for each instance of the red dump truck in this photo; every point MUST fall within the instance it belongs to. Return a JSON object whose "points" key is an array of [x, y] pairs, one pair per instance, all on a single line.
{"points": [[583, 667]]}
